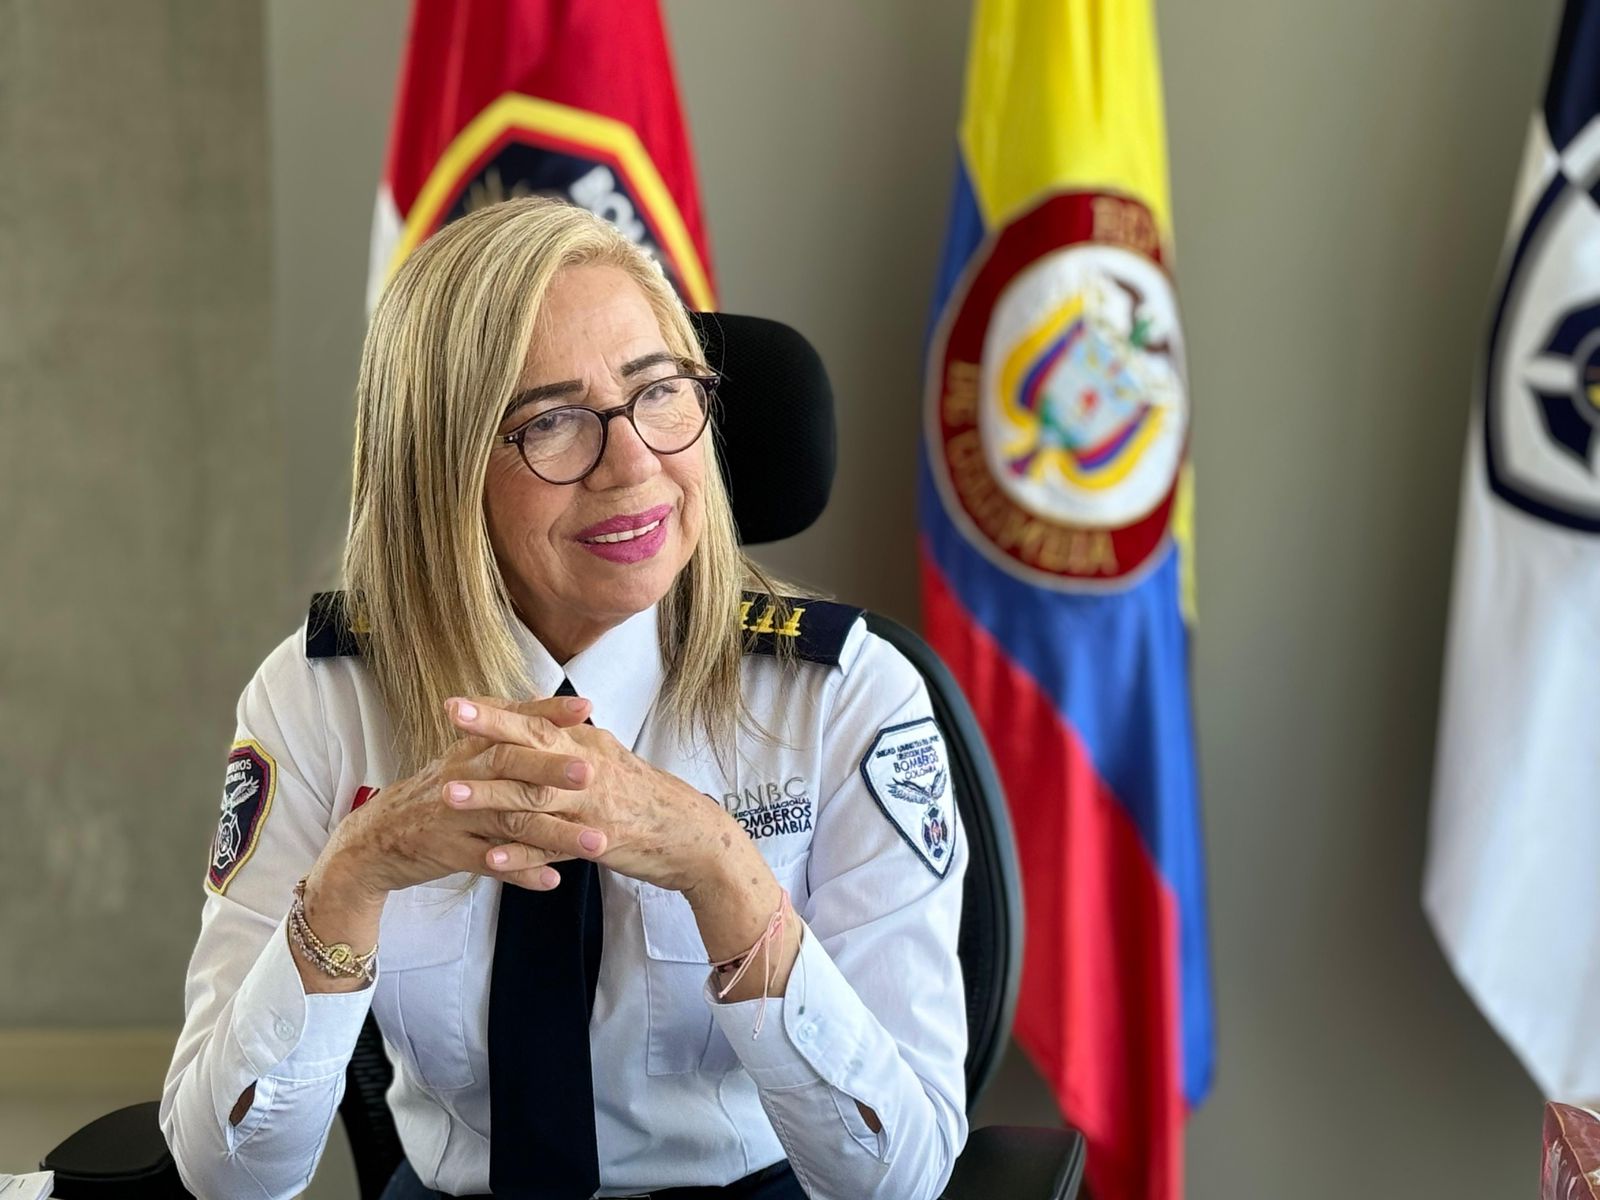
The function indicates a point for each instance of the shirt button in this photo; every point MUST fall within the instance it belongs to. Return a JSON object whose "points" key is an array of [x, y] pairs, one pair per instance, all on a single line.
{"points": [[284, 1030], [805, 1032]]}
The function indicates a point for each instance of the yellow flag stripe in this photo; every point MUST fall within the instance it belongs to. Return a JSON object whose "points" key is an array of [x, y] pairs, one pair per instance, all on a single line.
{"points": [[1064, 95]]}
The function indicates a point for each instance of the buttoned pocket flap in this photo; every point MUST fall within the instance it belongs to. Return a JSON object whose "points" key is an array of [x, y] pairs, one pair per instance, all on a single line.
{"points": [[670, 931], [424, 926]]}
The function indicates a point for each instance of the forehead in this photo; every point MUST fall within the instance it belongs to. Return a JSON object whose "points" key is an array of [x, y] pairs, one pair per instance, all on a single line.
{"points": [[594, 319]]}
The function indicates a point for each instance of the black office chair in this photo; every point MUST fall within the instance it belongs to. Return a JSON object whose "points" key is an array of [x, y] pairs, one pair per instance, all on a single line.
{"points": [[778, 455]]}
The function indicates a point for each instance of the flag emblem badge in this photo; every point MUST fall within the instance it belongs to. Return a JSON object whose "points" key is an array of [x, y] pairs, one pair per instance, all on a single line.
{"points": [[523, 145], [1062, 414], [1541, 410]]}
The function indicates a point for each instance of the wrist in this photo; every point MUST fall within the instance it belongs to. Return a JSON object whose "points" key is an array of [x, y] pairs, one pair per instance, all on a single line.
{"points": [[732, 873], [338, 882]]}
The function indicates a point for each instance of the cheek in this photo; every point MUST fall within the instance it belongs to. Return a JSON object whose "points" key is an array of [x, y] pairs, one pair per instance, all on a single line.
{"points": [[516, 505], [691, 482]]}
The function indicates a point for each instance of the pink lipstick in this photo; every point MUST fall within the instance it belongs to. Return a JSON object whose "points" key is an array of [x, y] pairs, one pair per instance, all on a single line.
{"points": [[629, 538]]}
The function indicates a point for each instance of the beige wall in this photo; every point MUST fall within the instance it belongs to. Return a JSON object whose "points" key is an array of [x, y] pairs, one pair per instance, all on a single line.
{"points": [[141, 482], [1341, 176]]}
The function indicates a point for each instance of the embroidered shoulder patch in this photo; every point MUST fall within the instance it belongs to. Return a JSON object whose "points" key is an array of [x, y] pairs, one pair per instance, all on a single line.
{"points": [[817, 629], [248, 786], [329, 630], [908, 773]]}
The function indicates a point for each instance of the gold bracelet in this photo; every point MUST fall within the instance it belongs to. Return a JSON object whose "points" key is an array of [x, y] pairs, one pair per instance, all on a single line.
{"points": [[339, 960]]}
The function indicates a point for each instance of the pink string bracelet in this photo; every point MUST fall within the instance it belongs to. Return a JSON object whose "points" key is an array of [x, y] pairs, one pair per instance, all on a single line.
{"points": [[740, 963]]}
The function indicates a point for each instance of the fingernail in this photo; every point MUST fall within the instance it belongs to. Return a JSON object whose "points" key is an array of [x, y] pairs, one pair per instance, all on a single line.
{"points": [[590, 840], [577, 771], [576, 704], [459, 793], [499, 857], [466, 711], [549, 877]]}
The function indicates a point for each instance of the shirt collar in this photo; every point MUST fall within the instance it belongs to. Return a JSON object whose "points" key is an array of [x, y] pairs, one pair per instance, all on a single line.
{"points": [[620, 674]]}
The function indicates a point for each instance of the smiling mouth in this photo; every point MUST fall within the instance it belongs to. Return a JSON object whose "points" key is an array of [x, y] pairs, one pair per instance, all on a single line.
{"points": [[625, 535]]}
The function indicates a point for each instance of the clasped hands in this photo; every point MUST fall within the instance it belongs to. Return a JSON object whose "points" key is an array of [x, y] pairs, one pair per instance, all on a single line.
{"points": [[529, 784]]}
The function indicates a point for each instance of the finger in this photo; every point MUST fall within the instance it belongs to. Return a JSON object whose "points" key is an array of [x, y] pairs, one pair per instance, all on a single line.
{"points": [[561, 711], [528, 776], [536, 879], [518, 765], [497, 721], [539, 834]]}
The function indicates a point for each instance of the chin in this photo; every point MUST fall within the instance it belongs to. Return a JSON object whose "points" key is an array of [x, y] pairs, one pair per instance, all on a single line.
{"points": [[630, 589]]}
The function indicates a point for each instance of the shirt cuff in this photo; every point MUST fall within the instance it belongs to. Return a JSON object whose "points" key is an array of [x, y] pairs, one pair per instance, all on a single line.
{"points": [[285, 1033], [813, 1031]]}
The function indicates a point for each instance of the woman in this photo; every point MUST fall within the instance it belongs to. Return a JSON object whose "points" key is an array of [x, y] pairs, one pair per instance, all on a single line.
{"points": [[742, 801]]}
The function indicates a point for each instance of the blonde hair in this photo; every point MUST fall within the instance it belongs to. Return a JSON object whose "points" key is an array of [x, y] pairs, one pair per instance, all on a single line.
{"points": [[443, 356]]}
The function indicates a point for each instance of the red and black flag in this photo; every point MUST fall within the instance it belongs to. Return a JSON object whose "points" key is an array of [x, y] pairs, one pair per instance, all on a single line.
{"points": [[569, 98]]}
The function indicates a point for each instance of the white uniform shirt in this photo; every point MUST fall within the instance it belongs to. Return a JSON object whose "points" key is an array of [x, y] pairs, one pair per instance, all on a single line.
{"points": [[849, 805]]}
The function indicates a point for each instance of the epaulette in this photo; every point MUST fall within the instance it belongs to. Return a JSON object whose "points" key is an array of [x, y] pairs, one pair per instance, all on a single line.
{"points": [[816, 629], [329, 632]]}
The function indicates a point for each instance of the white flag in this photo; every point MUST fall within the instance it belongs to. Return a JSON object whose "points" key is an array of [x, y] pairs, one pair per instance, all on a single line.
{"points": [[1513, 876]]}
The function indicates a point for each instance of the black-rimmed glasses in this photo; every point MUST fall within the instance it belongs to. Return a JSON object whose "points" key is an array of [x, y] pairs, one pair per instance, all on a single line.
{"points": [[564, 445]]}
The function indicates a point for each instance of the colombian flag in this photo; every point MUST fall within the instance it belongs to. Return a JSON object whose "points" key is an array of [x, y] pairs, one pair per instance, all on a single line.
{"points": [[502, 98], [1055, 558]]}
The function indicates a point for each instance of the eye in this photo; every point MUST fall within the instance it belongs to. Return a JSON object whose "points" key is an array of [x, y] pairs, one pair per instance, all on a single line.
{"points": [[663, 392], [554, 423]]}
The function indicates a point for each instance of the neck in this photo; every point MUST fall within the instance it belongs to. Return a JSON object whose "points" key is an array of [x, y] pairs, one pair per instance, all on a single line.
{"points": [[566, 637]]}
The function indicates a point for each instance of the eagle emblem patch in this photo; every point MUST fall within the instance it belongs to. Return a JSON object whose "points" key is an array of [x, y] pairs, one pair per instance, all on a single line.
{"points": [[907, 770], [248, 785]]}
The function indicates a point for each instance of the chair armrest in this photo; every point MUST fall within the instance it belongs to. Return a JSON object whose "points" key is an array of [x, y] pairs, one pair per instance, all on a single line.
{"points": [[120, 1156], [1019, 1163]]}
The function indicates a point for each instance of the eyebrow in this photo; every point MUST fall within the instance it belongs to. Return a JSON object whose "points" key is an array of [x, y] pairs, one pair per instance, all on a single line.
{"points": [[572, 387]]}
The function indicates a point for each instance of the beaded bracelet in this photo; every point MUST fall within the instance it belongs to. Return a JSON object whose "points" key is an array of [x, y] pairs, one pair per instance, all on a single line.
{"points": [[740, 963], [337, 960]]}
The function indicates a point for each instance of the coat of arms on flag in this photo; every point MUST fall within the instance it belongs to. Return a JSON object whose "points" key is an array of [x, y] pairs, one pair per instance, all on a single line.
{"points": [[1061, 417]]}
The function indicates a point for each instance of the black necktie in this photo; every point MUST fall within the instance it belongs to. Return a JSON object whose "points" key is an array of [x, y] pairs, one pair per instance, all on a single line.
{"points": [[541, 993]]}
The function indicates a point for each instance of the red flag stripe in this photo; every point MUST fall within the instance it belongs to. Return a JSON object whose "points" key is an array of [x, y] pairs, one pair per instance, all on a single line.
{"points": [[1098, 1013]]}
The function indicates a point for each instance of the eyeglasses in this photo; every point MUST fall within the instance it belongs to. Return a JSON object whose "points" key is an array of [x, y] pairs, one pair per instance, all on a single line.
{"points": [[564, 445]]}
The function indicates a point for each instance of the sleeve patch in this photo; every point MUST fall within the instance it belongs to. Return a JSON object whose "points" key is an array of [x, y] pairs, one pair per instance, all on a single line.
{"points": [[248, 785], [908, 773]]}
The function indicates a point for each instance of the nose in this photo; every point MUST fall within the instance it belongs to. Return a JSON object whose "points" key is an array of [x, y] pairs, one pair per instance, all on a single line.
{"points": [[627, 460]]}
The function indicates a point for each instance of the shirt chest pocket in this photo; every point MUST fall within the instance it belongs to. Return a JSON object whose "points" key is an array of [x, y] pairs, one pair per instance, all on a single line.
{"points": [[419, 1001], [675, 975], [682, 1034]]}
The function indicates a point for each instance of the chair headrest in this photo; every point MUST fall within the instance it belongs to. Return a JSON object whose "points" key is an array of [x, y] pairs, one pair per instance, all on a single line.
{"points": [[775, 430]]}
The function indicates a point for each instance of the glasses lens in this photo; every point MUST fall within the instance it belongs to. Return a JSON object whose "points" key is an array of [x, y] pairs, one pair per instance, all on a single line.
{"points": [[670, 414], [562, 444]]}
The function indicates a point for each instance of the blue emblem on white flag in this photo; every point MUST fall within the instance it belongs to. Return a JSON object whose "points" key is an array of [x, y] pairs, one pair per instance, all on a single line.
{"points": [[1541, 381]]}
